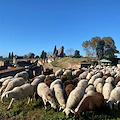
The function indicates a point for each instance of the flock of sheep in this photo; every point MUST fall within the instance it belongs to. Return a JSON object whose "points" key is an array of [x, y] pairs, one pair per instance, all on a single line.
{"points": [[90, 89]]}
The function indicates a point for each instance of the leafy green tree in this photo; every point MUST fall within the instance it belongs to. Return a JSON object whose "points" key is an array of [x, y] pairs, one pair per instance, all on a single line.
{"points": [[12, 55], [100, 49], [54, 50], [43, 55], [77, 54], [9, 56], [31, 55]]}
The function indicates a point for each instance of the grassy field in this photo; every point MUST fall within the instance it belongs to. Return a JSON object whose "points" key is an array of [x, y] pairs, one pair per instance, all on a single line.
{"points": [[20, 110], [63, 62]]}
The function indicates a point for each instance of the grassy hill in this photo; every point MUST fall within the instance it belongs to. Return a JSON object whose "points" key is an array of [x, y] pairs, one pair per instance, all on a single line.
{"points": [[63, 62]]}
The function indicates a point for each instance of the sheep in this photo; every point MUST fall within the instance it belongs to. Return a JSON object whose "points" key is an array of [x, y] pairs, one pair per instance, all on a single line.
{"points": [[59, 72], [114, 97], [68, 72], [46, 94], [117, 79], [90, 92], [83, 83], [48, 80], [23, 74], [93, 102], [18, 93], [99, 87], [63, 78], [4, 85], [83, 75], [98, 80], [89, 75], [73, 99], [42, 77], [57, 81], [90, 87], [48, 71], [107, 88], [53, 77], [14, 83], [5, 78], [59, 95], [68, 90], [109, 80]]}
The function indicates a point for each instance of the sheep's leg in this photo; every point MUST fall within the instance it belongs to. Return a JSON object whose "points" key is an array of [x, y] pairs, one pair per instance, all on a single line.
{"points": [[28, 100], [44, 100], [10, 103]]}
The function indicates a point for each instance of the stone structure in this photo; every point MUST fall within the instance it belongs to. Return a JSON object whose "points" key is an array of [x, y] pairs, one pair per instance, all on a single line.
{"points": [[59, 53]]}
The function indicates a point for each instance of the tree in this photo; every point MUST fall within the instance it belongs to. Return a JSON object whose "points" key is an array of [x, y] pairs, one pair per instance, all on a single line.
{"points": [[43, 55], [12, 55], [37, 56], [9, 56], [77, 54], [70, 52], [31, 55], [54, 50], [100, 49]]}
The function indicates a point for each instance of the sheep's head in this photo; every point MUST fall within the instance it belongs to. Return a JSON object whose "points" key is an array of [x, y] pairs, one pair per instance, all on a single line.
{"points": [[4, 97]]}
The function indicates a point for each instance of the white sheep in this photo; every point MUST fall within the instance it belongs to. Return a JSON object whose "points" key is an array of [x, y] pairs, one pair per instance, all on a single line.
{"points": [[42, 77], [18, 93], [14, 83], [99, 87], [83, 75], [73, 99], [98, 80], [68, 72], [110, 80], [83, 83], [114, 97], [89, 75], [46, 94], [59, 72], [23, 74], [5, 78], [59, 95], [4, 85], [107, 88], [89, 88], [57, 81]]}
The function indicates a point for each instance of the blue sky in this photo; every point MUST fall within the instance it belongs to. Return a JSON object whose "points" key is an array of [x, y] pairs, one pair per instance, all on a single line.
{"points": [[36, 25]]}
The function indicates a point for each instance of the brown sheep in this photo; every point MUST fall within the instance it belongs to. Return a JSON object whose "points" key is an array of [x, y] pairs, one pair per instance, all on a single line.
{"points": [[63, 78], [79, 72], [48, 71], [48, 80], [117, 79], [93, 102], [68, 90]]}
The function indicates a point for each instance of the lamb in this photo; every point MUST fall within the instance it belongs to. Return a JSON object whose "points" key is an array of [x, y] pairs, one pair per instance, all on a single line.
{"points": [[46, 94], [93, 102], [18, 93], [4, 85], [14, 83], [73, 99], [23, 74], [68, 72], [107, 88], [114, 97], [59, 72], [59, 95]]}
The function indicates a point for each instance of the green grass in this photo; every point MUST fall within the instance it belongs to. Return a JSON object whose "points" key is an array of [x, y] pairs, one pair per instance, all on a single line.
{"points": [[63, 62], [20, 110]]}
